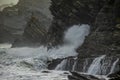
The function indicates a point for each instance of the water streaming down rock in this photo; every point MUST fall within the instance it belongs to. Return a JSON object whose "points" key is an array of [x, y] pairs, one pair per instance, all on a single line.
{"points": [[114, 66], [102, 65], [74, 65], [62, 65], [95, 67], [85, 65]]}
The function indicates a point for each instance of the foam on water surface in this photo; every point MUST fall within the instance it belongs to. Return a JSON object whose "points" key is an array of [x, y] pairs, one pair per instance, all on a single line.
{"points": [[5, 45], [74, 36], [27, 62]]}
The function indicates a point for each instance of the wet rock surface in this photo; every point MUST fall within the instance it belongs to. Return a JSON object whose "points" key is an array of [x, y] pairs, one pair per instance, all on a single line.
{"points": [[67, 13], [14, 20], [107, 65], [103, 39], [102, 15], [114, 76], [79, 76]]}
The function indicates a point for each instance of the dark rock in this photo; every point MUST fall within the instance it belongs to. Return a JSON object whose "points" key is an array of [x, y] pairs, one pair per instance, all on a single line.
{"points": [[82, 64], [114, 76], [102, 15], [72, 78], [34, 33], [65, 73], [104, 37], [67, 13], [78, 76], [52, 64], [15, 18], [45, 72], [5, 36], [68, 66]]}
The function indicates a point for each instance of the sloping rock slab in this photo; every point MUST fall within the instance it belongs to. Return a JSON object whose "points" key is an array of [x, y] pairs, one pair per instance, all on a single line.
{"points": [[78, 76], [115, 76]]}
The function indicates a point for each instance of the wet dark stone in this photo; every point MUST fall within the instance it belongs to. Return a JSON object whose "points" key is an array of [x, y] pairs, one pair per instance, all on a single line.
{"points": [[52, 64], [45, 71], [65, 73], [114, 76], [78, 76]]}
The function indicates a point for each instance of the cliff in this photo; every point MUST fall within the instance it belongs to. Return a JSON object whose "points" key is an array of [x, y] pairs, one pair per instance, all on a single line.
{"points": [[103, 17], [15, 20], [104, 38]]}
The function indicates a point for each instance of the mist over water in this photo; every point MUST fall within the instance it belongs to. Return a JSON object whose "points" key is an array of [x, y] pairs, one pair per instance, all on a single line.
{"points": [[74, 37]]}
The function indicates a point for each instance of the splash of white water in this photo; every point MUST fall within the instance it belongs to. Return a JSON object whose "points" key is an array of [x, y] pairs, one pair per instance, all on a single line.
{"points": [[25, 56], [74, 36]]}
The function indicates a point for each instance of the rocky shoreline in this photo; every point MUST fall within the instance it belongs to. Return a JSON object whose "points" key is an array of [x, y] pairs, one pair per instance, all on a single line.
{"points": [[23, 25]]}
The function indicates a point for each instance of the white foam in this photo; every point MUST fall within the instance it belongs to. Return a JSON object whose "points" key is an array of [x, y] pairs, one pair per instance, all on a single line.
{"points": [[38, 56], [5, 45], [74, 36]]}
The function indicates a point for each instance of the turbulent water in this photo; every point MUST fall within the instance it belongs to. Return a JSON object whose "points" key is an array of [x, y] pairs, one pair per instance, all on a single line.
{"points": [[27, 63], [31, 63]]}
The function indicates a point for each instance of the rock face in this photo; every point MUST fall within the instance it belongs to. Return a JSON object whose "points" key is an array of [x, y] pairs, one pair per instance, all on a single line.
{"points": [[14, 19], [104, 39], [114, 76], [100, 14], [34, 34], [35, 30], [78, 76], [5, 36], [67, 13], [102, 65]]}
